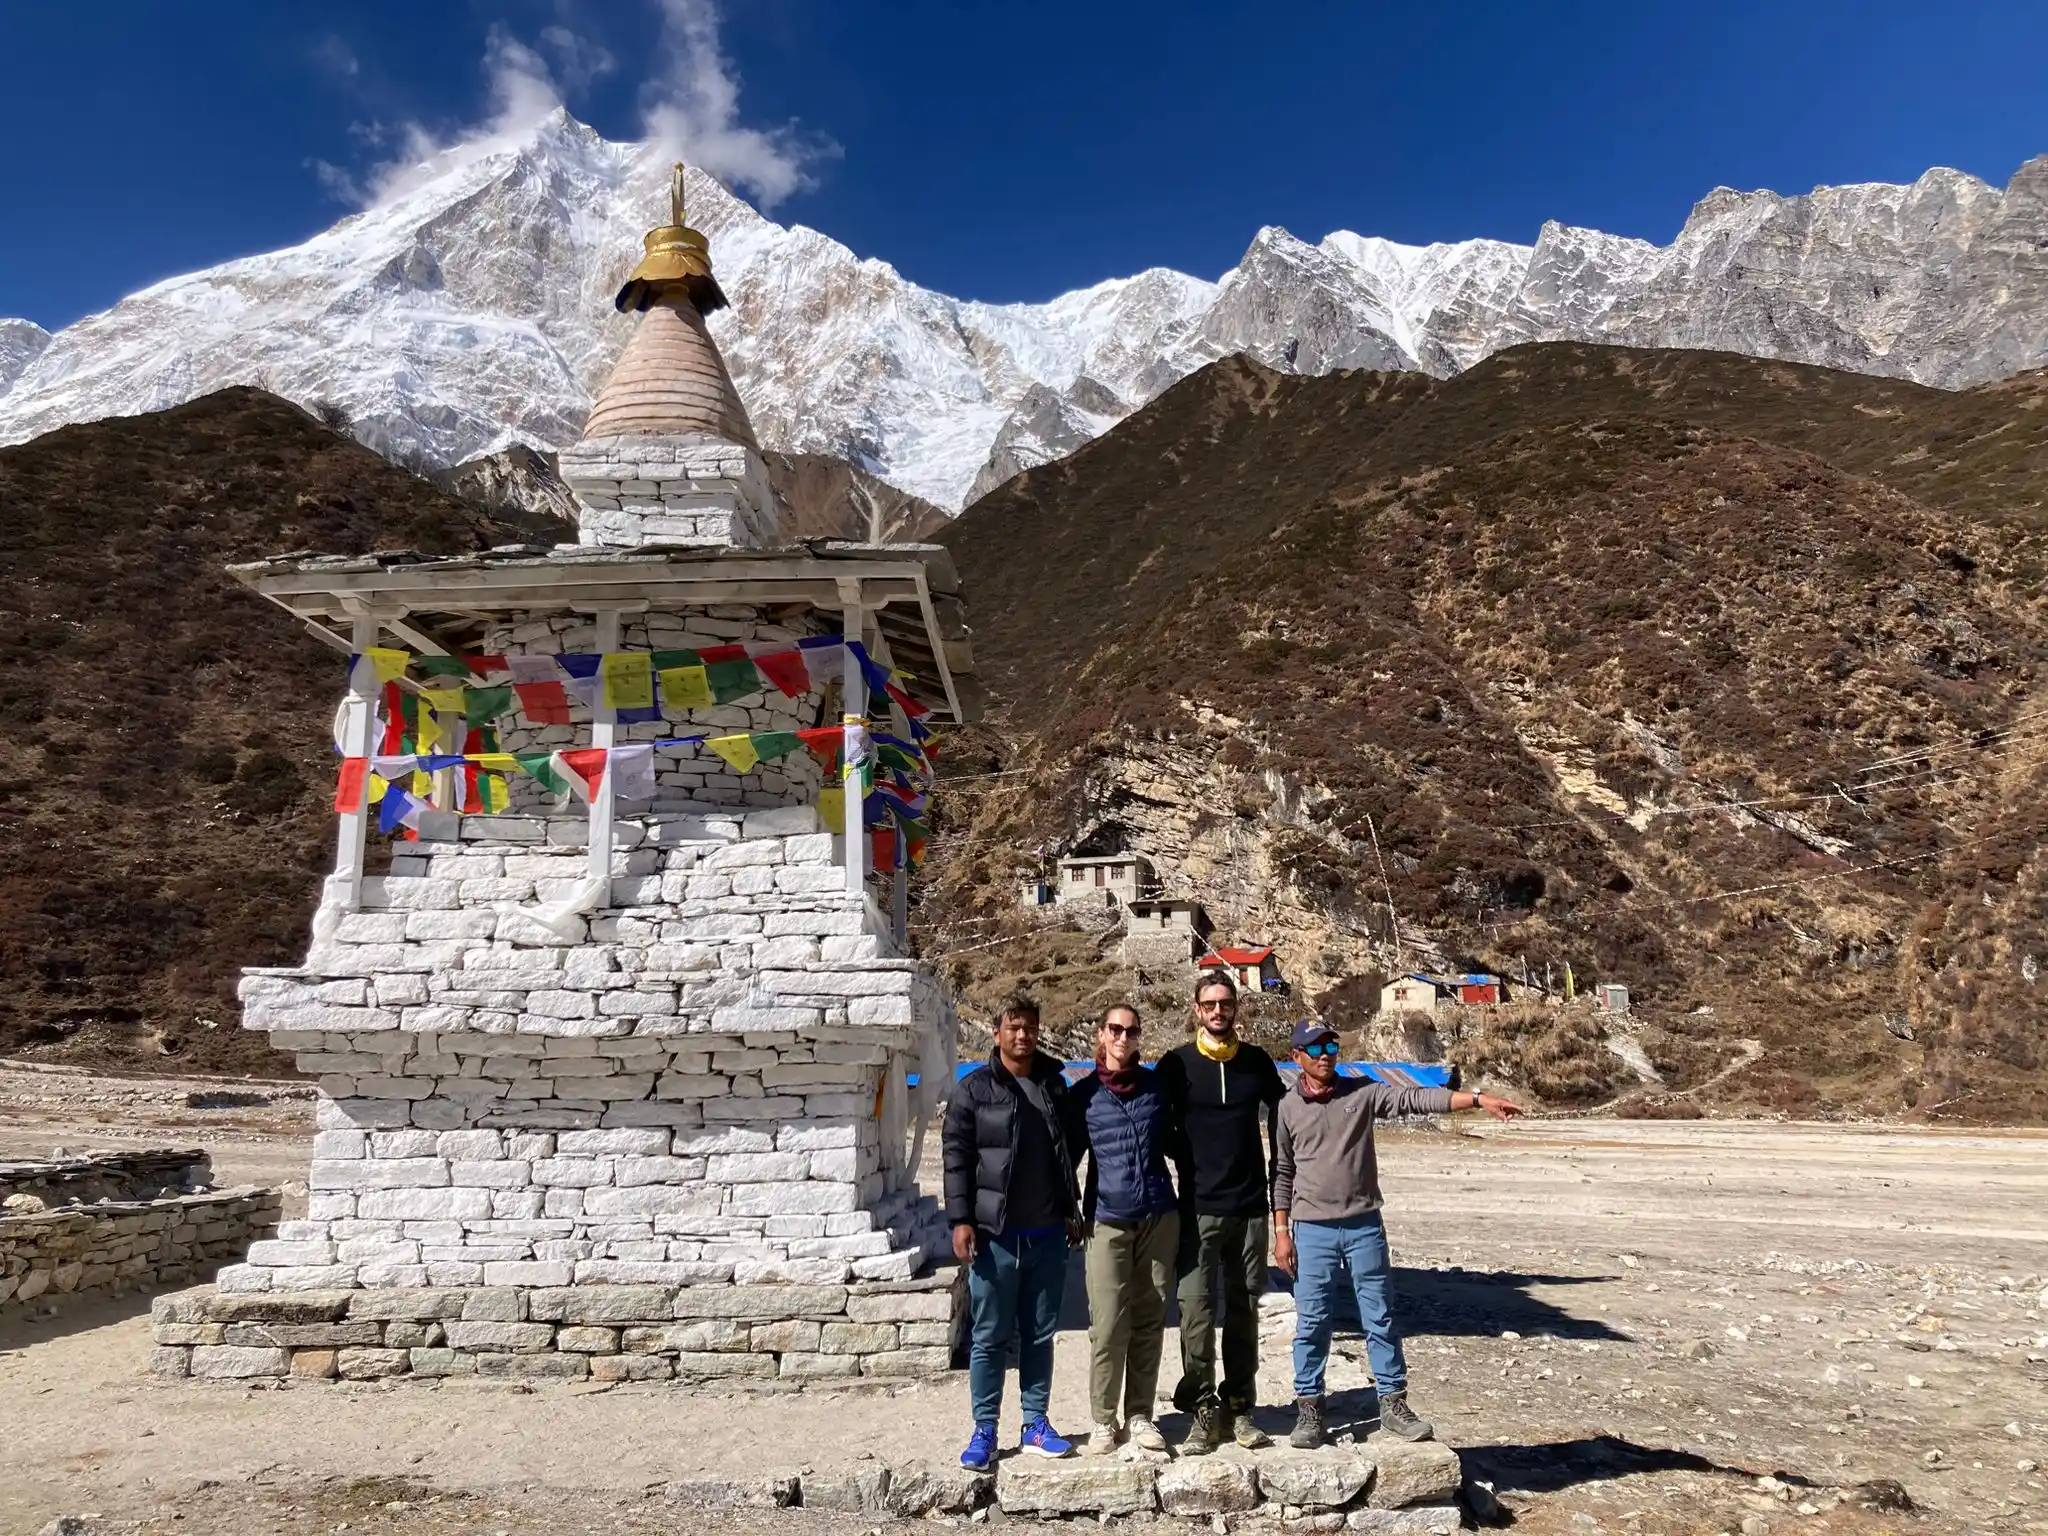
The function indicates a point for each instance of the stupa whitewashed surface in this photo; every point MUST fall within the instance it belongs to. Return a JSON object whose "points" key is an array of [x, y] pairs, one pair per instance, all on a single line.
{"points": [[632, 1089]]}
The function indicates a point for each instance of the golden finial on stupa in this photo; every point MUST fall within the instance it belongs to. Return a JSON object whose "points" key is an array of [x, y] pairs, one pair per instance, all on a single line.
{"points": [[677, 262]]}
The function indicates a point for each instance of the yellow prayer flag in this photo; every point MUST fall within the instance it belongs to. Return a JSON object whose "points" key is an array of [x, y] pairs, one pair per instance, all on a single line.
{"points": [[496, 762], [832, 808], [422, 782], [686, 688], [738, 752], [628, 681], [390, 664], [377, 787]]}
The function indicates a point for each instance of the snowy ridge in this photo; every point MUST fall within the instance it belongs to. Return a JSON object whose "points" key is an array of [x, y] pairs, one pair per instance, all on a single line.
{"points": [[473, 313]]}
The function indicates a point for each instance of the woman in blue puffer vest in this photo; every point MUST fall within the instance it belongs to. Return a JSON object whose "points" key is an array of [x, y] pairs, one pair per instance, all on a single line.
{"points": [[1121, 1118]]}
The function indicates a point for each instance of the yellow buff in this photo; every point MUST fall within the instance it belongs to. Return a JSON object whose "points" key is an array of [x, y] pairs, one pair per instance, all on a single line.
{"points": [[1211, 1049]]}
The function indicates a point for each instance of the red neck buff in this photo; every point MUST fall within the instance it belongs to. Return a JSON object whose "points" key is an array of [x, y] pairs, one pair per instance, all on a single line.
{"points": [[1314, 1092], [1123, 1084]]}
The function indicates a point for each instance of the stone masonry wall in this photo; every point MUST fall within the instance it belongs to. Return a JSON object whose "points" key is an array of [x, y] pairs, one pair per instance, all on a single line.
{"points": [[793, 1333], [119, 1245], [653, 490], [685, 779], [704, 1083]]}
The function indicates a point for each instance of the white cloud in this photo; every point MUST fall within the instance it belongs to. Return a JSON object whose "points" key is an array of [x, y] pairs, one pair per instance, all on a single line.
{"points": [[691, 110], [689, 106]]}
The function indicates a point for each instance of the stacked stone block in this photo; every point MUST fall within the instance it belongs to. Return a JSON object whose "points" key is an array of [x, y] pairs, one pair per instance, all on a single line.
{"points": [[798, 1332], [670, 490]]}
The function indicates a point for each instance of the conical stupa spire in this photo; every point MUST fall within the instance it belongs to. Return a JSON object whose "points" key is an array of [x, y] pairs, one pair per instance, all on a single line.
{"points": [[671, 381]]}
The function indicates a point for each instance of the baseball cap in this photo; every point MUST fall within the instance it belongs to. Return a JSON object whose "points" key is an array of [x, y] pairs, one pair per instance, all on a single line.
{"points": [[1309, 1031]]}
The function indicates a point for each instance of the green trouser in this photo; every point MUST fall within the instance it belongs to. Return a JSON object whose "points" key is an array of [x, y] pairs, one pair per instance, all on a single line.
{"points": [[1130, 1264], [1235, 1245]]}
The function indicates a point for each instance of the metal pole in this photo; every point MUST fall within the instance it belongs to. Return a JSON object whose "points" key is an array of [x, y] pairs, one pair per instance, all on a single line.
{"points": [[854, 685], [358, 721], [603, 733]]}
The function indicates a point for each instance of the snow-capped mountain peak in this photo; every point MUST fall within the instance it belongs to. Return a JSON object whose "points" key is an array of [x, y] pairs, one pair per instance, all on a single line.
{"points": [[470, 310]]}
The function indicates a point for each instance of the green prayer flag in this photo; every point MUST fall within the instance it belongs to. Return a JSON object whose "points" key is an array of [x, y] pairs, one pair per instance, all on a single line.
{"points": [[733, 680], [773, 744], [480, 706], [441, 666], [541, 766]]}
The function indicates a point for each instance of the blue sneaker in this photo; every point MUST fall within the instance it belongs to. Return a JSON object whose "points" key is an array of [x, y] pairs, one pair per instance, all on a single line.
{"points": [[981, 1450], [1041, 1439]]}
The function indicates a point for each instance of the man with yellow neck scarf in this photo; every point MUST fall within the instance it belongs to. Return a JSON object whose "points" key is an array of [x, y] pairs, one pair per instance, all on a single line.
{"points": [[1224, 1090]]}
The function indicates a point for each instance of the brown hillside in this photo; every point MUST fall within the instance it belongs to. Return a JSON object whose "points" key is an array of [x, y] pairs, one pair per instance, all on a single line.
{"points": [[1525, 627], [164, 770]]}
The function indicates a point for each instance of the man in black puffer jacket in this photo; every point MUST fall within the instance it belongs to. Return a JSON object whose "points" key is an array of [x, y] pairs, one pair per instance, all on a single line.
{"points": [[1014, 1206]]}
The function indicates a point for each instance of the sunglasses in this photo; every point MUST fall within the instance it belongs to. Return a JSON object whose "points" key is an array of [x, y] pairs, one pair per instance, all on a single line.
{"points": [[1320, 1048], [1120, 1029], [1227, 1005]]}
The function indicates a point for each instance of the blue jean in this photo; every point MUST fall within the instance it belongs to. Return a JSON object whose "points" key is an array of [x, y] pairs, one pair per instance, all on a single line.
{"points": [[1016, 1280], [1324, 1250]]}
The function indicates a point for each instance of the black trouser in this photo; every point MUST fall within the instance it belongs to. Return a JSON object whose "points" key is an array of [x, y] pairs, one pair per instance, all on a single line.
{"points": [[1235, 1245]]}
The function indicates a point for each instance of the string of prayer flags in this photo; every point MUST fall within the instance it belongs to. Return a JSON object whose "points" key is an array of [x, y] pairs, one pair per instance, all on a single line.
{"points": [[371, 669]]}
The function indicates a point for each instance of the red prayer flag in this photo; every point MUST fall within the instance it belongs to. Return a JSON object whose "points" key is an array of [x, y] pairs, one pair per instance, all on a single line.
{"points": [[394, 720], [348, 789], [911, 707], [884, 840], [786, 670], [543, 703], [824, 742], [707, 654]]}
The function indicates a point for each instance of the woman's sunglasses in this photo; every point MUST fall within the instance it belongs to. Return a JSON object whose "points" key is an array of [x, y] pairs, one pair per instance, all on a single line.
{"points": [[1320, 1048], [1120, 1029]]}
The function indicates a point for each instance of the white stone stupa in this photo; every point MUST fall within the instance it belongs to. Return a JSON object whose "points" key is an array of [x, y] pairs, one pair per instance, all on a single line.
{"points": [[634, 1088]]}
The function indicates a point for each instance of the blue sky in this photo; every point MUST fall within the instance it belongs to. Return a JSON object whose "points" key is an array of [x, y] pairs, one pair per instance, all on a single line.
{"points": [[997, 151]]}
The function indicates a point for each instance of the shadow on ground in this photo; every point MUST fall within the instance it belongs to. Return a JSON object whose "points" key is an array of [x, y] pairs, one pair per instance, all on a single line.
{"points": [[1557, 1465], [1446, 1302], [76, 1314]]}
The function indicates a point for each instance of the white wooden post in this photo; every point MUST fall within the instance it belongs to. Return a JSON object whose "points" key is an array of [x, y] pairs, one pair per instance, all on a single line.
{"points": [[358, 722], [855, 688], [603, 733]]}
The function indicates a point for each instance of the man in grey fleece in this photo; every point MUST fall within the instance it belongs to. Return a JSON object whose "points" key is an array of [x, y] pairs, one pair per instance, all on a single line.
{"points": [[1326, 1220]]}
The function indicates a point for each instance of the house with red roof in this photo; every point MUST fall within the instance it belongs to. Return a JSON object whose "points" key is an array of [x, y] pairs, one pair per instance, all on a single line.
{"points": [[1255, 970]]}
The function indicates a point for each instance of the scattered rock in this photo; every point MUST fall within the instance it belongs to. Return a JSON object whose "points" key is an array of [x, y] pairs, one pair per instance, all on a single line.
{"points": [[69, 1525], [1025, 1487], [1325, 1479], [934, 1487], [30, 1205], [861, 1489], [1931, 1459], [1882, 1495], [1434, 1520], [1697, 1349], [732, 1493], [1208, 1485], [1755, 1525], [1426, 1473]]}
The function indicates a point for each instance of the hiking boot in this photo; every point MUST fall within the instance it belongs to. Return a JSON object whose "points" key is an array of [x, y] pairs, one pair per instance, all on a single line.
{"points": [[1308, 1424], [1247, 1434], [1144, 1434], [1400, 1421], [1211, 1429], [1101, 1440]]}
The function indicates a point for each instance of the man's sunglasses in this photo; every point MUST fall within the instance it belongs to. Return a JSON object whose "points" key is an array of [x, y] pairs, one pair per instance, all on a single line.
{"points": [[1320, 1048], [1227, 1004]]}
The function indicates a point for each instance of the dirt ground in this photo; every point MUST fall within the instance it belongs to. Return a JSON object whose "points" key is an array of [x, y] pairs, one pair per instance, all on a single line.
{"points": [[1622, 1326]]}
